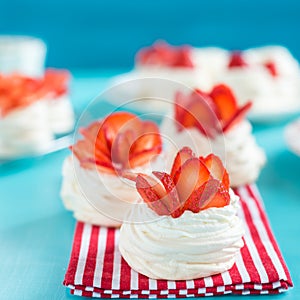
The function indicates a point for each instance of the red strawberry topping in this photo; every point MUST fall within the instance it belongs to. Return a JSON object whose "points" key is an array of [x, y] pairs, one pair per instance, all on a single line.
{"points": [[194, 184], [236, 60], [271, 68], [120, 142], [163, 54], [18, 91], [211, 113]]}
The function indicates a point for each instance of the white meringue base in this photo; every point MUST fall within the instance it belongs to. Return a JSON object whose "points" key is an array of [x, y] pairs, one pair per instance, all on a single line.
{"points": [[30, 130], [61, 115], [96, 198], [191, 246], [25, 130]]}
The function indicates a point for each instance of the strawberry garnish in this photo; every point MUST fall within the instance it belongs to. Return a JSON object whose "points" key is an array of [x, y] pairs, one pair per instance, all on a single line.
{"points": [[56, 81], [210, 113], [192, 174], [18, 91], [153, 193], [173, 204], [182, 156], [224, 100], [236, 60], [120, 142], [194, 184], [210, 194], [216, 168], [196, 110], [271, 68], [163, 54], [237, 117]]}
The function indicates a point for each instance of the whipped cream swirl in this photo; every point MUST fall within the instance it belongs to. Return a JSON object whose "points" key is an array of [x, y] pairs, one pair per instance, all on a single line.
{"points": [[191, 246]]}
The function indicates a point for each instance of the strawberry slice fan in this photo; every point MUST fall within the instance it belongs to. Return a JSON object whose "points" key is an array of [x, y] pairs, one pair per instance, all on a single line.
{"points": [[96, 268]]}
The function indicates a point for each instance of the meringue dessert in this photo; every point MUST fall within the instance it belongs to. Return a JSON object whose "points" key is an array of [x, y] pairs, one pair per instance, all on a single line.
{"points": [[94, 184], [23, 55], [160, 70], [174, 63], [269, 76], [213, 123], [27, 114], [197, 232]]}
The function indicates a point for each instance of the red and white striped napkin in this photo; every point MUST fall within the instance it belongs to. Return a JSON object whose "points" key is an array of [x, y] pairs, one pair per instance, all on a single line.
{"points": [[96, 268]]}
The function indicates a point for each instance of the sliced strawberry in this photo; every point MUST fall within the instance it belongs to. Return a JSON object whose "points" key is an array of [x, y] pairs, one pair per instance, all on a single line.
{"points": [[152, 194], [201, 196], [145, 141], [174, 205], [209, 194], [220, 198], [192, 174], [182, 156], [109, 131], [158, 54], [146, 145], [225, 101], [196, 110], [121, 148], [120, 122], [162, 54], [150, 127], [201, 113], [216, 168], [81, 151], [114, 140], [95, 134], [183, 58], [90, 132], [271, 68], [180, 103], [56, 81], [236, 60], [143, 157], [237, 117], [103, 166], [84, 150]]}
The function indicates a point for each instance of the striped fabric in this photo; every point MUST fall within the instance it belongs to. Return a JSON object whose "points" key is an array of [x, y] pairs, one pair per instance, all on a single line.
{"points": [[97, 269]]}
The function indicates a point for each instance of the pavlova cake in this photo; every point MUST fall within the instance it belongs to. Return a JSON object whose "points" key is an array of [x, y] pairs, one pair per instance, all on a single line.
{"points": [[32, 112], [159, 71], [214, 123], [196, 231], [269, 76], [95, 185]]}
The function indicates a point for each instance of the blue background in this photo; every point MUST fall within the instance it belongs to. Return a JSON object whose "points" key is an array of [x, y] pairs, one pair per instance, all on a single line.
{"points": [[107, 33]]}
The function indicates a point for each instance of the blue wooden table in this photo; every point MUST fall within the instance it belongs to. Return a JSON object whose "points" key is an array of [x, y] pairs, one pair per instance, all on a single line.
{"points": [[36, 231]]}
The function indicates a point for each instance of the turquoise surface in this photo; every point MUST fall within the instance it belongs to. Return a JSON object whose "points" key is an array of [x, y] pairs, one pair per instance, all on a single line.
{"points": [[36, 231]]}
